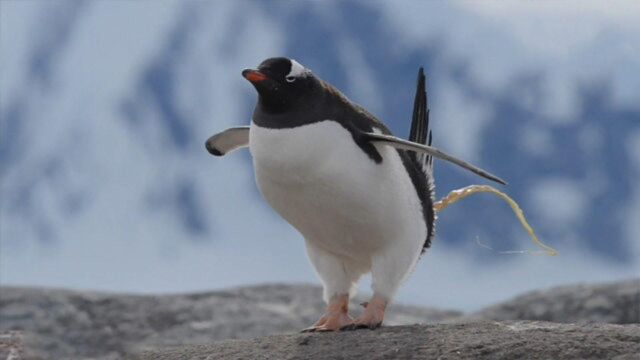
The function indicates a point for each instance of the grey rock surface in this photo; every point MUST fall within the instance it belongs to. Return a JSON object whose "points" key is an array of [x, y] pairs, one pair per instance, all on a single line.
{"points": [[615, 303], [59, 324], [480, 340], [71, 324], [11, 345]]}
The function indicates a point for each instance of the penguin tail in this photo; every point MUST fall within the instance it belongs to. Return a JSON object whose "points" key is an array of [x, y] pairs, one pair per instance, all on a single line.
{"points": [[420, 132]]}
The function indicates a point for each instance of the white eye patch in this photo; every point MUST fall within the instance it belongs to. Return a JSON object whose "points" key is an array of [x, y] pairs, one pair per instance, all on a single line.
{"points": [[297, 70]]}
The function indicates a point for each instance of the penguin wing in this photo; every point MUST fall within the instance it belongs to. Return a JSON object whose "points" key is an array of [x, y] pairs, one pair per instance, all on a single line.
{"points": [[225, 142], [399, 143]]}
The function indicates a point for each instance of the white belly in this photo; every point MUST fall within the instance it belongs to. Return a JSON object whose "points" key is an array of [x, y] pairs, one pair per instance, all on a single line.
{"points": [[323, 184]]}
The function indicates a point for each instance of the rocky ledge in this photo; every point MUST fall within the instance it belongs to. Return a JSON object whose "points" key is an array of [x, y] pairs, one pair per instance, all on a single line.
{"points": [[37, 323], [478, 340]]}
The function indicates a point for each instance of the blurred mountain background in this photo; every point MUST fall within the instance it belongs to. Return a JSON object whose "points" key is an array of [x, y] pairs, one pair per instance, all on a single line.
{"points": [[105, 107]]}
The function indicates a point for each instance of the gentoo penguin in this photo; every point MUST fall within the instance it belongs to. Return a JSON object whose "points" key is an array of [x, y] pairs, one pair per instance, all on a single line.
{"points": [[361, 198]]}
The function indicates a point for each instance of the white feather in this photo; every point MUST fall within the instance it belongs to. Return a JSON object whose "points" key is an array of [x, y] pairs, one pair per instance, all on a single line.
{"points": [[355, 215], [297, 70]]}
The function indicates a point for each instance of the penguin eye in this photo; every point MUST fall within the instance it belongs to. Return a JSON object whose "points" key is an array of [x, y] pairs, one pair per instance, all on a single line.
{"points": [[290, 79]]}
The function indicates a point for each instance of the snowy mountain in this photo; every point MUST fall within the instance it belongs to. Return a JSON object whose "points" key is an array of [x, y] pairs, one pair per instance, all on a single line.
{"points": [[105, 107]]}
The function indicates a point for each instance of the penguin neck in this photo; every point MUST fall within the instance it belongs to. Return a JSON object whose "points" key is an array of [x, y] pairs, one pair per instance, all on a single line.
{"points": [[302, 113], [265, 116], [272, 104]]}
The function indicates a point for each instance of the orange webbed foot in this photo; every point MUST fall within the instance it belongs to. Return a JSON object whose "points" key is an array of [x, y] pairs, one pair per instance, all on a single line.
{"points": [[330, 322], [335, 318], [372, 316]]}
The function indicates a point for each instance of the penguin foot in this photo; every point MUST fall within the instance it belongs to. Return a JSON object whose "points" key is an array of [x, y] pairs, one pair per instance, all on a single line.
{"points": [[330, 322], [336, 316], [372, 316]]}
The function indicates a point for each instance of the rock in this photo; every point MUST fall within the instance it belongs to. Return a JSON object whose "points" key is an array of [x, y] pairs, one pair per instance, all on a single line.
{"points": [[615, 303], [480, 340], [71, 324], [60, 324], [11, 345]]}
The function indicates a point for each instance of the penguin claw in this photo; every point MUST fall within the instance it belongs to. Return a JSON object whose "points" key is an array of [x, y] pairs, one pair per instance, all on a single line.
{"points": [[372, 316], [330, 322], [318, 328], [349, 327], [324, 329]]}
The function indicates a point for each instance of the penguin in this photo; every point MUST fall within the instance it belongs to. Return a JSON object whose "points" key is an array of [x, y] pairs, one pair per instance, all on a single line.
{"points": [[361, 198]]}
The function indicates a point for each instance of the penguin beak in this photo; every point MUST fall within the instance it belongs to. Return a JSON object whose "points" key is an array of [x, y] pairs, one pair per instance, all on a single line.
{"points": [[254, 76]]}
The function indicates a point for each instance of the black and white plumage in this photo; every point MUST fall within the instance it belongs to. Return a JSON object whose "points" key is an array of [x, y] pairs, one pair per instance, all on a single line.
{"points": [[361, 198]]}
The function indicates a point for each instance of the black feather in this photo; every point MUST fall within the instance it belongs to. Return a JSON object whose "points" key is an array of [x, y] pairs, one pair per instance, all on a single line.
{"points": [[422, 174], [420, 132]]}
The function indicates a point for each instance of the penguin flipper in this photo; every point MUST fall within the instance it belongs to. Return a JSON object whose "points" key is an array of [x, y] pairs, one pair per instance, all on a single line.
{"points": [[403, 144], [225, 142]]}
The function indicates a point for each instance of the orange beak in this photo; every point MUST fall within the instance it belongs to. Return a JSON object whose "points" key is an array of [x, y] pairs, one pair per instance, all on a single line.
{"points": [[253, 76]]}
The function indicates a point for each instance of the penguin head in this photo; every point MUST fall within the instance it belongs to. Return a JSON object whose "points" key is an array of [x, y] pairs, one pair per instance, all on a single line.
{"points": [[282, 84]]}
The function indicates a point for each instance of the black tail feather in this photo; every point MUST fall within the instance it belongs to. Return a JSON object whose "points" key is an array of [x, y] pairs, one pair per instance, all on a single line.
{"points": [[420, 132]]}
